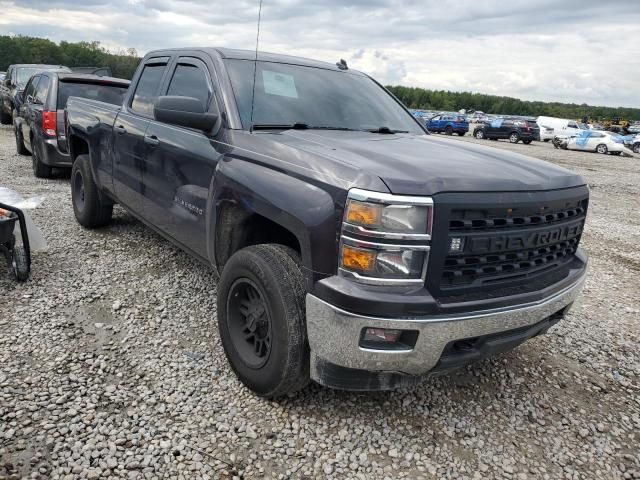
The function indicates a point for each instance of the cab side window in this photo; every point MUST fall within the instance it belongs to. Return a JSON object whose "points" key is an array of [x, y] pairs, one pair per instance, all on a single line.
{"points": [[190, 80], [42, 90], [147, 89]]}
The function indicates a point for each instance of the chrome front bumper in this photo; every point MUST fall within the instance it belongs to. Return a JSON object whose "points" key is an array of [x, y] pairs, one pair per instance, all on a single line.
{"points": [[334, 334]]}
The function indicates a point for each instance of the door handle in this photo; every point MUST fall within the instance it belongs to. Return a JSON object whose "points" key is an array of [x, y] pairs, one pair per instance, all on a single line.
{"points": [[151, 140], [120, 130]]}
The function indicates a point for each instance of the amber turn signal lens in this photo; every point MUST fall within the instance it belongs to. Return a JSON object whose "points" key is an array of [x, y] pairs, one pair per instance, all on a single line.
{"points": [[361, 213], [358, 259]]}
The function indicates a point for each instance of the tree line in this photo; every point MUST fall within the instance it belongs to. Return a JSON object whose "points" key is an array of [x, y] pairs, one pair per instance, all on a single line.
{"points": [[21, 49], [442, 100], [123, 64]]}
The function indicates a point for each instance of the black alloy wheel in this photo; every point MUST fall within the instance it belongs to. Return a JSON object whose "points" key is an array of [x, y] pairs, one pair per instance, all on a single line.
{"points": [[249, 323]]}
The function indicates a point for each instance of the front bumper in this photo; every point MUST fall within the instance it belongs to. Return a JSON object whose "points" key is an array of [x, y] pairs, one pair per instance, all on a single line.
{"points": [[338, 360]]}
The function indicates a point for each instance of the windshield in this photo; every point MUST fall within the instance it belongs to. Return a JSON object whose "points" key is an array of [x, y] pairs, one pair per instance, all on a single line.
{"points": [[103, 92], [24, 74], [293, 94]]}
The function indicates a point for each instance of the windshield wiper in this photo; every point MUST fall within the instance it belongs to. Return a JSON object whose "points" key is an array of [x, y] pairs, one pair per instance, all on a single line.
{"points": [[280, 126], [299, 126], [386, 130]]}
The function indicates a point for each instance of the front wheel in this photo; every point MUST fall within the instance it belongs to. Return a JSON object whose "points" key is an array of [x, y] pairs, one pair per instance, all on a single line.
{"points": [[479, 134], [261, 319], [514, 138], [636, 148], [89, 207], [20, 264], [602, 148]]}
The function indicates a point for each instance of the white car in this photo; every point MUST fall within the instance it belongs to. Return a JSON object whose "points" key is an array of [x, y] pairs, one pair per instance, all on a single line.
{"points": [[551, 127], [594, 141]]}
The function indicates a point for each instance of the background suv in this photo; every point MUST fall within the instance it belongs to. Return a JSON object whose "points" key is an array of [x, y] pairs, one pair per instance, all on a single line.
{"points": [[448, 124], [512, 129]]}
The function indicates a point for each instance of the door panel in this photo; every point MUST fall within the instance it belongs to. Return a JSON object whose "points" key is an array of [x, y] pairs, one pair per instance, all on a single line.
{"points": [[128, 150], [178, 168], [129, 130]]}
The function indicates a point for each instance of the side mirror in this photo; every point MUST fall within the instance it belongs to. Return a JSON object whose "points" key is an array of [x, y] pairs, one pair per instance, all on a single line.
{"points": [[184, 111]]}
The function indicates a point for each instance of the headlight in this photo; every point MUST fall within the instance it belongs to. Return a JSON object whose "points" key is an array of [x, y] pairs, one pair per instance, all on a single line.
{"points": [[385, 238]]}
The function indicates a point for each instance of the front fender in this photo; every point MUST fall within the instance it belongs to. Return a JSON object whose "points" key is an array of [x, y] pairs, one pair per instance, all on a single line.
{"points": [[305, 209]]}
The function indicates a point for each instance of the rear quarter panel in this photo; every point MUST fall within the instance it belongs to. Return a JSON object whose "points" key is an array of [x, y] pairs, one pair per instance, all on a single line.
{"points": [[92, 121]]}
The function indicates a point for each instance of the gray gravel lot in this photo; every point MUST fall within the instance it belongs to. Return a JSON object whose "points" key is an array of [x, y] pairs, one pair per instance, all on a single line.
{"points": [[111, 366]]}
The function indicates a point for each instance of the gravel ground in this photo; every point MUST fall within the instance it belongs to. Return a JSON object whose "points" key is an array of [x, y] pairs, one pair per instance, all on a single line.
{"points": [[111, 366]]}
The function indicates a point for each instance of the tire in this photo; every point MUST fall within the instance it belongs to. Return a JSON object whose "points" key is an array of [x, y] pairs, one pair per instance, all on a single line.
{"points": [[636, 148], [5, 118], [514, 137], [602, 148], [269, 355], [40, 169], [19, 264], [526, 142], [479, 134], [89, 207], [20, 148], [448, 131], [461, 134]]}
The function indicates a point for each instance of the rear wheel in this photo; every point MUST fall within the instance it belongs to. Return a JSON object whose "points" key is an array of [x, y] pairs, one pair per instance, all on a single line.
{"points": [[20, 148], [89, 207], [514, 137], [479, 134], [261, 319], [40, 169], [5, 118], [602, 148]]}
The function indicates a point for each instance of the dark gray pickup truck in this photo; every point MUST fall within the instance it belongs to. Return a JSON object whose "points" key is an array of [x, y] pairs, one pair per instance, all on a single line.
{"points": [[354, 248]]}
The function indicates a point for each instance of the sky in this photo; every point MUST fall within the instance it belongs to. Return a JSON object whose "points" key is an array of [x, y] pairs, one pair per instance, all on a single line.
{"points": [[581, 51]]}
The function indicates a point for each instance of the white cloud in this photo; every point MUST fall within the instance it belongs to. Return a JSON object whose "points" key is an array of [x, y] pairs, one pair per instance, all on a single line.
{"points": [[542, 50]]}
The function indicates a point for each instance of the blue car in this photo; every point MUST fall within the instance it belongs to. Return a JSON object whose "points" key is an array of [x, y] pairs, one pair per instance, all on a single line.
{"points": [[448, 124]]}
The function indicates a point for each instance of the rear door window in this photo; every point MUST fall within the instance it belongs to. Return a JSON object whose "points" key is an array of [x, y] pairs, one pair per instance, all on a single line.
{"points": [[148, 87], [42, 89], [191, 80], [31, 88], [113, 94]]}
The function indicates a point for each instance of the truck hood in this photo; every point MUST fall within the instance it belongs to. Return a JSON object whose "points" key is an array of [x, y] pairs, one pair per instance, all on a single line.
{"points": [[426, 164]]}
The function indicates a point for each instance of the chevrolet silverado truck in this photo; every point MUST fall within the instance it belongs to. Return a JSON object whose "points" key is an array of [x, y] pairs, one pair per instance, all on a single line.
{"points": [[354, 249]]}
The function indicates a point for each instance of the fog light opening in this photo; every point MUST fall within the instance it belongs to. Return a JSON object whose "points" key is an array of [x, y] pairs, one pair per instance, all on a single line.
{"points": [[388, 339]]}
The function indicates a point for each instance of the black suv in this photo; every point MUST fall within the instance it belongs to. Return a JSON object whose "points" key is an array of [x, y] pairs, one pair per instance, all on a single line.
{"points": [[39, 121], [13, 85], [513, 129]]}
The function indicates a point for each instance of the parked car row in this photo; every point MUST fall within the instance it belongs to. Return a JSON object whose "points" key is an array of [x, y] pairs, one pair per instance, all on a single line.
{"points": [[34, 98]]}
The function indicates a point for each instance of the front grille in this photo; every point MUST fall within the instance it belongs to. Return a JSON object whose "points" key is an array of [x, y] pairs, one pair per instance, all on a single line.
{"points": [[464, 220], [507, 245]]}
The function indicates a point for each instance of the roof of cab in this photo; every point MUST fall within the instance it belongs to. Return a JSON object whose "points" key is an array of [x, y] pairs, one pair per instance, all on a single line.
{"points": [[236, 54]]}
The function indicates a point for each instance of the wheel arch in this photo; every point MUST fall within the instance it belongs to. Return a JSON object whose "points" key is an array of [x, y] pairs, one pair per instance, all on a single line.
{"points": [[250, 204]]}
